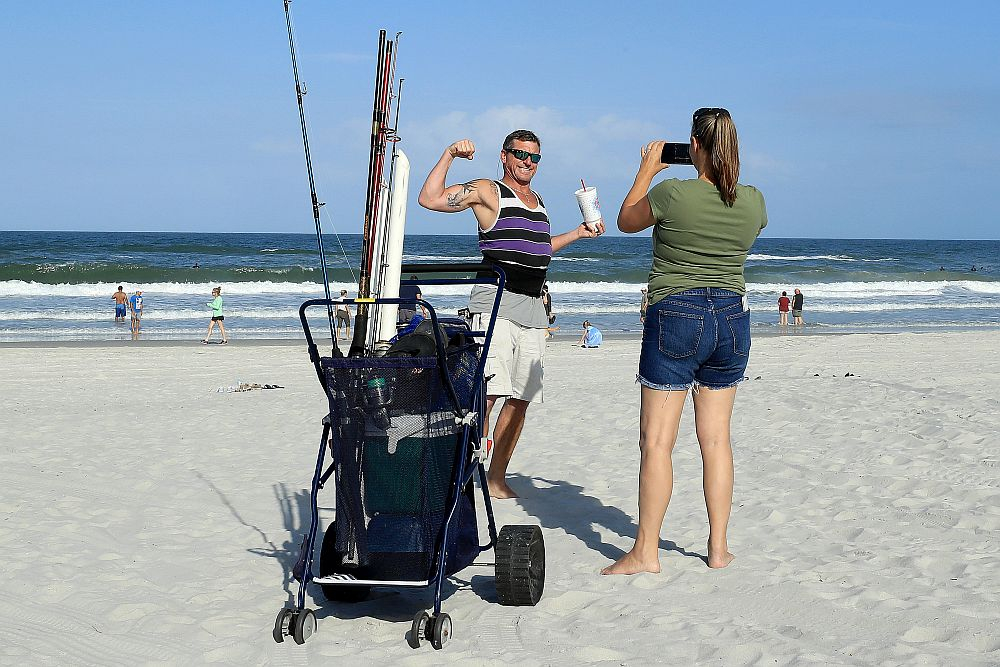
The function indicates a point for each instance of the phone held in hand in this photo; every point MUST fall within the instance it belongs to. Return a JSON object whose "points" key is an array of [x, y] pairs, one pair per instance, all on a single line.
{"points": [[676, 154]]}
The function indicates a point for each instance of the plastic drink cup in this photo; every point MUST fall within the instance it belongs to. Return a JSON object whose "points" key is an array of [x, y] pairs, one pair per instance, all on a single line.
{"points": [[590, 206]]}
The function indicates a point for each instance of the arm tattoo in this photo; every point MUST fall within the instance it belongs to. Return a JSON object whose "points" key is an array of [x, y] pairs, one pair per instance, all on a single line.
{"points": [[455, 200]]}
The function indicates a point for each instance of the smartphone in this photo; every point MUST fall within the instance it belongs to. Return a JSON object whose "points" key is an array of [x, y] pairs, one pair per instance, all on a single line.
{"points": [[676, 154]]}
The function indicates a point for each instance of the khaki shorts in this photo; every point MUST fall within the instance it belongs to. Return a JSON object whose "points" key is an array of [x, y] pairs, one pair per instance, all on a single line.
{"points": [[516, 359]]}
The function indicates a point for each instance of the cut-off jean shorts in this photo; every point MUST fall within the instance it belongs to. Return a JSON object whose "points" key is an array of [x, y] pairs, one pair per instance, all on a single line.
{"points": [[699, 337]]}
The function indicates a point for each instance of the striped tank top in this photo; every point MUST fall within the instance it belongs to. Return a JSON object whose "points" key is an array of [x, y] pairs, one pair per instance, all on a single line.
{"points": [[519, 242]]}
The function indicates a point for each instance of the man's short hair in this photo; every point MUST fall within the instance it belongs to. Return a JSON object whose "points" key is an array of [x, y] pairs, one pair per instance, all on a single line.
{"points": [[119, 288], [521, 135]]}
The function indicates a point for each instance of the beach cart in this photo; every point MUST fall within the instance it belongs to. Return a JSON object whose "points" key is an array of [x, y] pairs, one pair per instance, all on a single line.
{"points": [[404, 435]]}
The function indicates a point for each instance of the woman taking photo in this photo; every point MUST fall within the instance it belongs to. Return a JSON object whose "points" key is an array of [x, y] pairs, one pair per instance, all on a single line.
{"points": [[696, 333]]}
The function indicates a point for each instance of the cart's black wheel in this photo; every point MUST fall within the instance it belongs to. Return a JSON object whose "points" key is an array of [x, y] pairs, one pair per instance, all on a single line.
{"points": [[328, 562], [303, 626], [520, 565], [440, 630], [418, 631], [281, 625]]}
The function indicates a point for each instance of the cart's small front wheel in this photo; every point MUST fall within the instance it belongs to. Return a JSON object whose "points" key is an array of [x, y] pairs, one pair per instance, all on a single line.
{"points": [[303, 626], [281, 624], [418, 631], [440, 630], [520, 565]]}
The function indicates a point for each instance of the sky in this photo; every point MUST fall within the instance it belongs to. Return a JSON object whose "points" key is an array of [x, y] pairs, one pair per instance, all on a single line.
{"points": [[856, 119]]}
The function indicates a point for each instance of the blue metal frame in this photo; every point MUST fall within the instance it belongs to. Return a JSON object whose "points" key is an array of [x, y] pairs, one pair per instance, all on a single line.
{"points": [[470, 435]]}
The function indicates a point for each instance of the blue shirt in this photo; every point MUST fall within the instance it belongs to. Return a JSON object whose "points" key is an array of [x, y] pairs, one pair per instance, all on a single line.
{"points": [[136, 301], [594, 337]]}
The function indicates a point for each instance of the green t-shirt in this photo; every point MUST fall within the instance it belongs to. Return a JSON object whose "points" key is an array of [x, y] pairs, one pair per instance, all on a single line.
{"points": [[698, 241]]}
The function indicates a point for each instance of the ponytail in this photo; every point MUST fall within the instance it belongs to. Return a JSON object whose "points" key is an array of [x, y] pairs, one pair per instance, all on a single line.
{"points": [[716, 132]]}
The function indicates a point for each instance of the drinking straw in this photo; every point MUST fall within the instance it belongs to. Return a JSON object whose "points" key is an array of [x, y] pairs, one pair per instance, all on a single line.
{"points": [[583, 184]]}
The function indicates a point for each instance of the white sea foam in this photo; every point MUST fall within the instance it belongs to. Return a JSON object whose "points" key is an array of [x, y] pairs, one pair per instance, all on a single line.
{"points": [[842, 290], [804, 258], [868, 290]]}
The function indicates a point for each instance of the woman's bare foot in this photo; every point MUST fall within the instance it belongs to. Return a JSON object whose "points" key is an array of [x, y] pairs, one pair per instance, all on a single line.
{"points": [[632, 564], [719, 558], [500, 490]]}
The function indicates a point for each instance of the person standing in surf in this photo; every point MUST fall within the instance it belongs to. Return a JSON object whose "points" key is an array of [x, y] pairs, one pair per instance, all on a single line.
{"points": [[697, 330], [514, 234], [135, 307], [121, 309], [797, 300]]}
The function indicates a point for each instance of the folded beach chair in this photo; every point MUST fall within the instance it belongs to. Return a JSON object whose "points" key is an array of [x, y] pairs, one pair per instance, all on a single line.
{"points": [[404, 431]]}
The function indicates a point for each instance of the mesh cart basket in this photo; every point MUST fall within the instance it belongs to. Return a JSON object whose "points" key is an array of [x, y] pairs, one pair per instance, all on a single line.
{"points": [[404, 437]]}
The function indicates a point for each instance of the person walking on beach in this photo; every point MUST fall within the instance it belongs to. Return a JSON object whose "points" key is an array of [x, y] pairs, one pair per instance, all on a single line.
{"points": [[121, 309], [591, 337], [514, 234], [217, 317], [797, 300], [697, 332], [344, 316], [409, 294], [135, 307], [783, 302]]}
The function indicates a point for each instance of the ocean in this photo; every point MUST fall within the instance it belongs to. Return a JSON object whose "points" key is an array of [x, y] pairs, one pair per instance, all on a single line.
{"points": [[58, 285]]}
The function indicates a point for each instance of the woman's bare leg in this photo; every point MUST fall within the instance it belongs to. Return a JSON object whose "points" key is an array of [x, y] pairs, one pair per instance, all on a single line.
{"points": [[222, 329], [713, 412], [659, 419], [211, 326]]}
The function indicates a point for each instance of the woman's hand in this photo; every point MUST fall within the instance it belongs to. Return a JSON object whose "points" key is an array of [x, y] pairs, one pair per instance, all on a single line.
{"points": [[651, 154]]}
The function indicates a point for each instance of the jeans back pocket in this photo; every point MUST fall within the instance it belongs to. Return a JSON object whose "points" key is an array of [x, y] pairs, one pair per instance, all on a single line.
{"points": [[739, 325], [680, 333]]}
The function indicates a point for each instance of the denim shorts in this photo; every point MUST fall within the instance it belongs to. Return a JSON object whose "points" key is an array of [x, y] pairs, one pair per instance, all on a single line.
{"points": [[699, 337]]}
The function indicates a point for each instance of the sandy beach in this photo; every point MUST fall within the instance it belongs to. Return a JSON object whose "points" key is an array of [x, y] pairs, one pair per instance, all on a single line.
{"points": [[147, 518]]}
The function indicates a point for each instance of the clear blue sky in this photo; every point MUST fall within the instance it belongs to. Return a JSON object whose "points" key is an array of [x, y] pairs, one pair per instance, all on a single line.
{"points": [[856, 119]]}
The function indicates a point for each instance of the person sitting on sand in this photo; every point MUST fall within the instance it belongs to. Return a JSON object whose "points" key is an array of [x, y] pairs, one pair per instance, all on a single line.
{"points": [[591, 336], [697, 332], [217, 317]]}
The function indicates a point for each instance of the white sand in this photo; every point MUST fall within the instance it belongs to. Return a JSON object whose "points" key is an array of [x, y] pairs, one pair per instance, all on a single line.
{"points": [[146, 519]]}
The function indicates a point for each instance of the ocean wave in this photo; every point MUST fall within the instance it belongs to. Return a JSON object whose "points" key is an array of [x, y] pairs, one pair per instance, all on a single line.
{"points": [[92, 314], [805, 258], [868, 290]]}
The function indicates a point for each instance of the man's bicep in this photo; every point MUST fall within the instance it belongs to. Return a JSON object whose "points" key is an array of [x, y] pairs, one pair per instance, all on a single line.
{"points": [[461, 197]]}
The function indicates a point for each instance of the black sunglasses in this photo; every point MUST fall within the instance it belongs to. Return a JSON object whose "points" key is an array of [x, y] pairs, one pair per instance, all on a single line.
{"points": [[709, 111], [520, 155]]}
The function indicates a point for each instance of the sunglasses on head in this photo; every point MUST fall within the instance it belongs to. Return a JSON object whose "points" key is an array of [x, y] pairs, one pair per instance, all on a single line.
{"points": [[521, 155]]}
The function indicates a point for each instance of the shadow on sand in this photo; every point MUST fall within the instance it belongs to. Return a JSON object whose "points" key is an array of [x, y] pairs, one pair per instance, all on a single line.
{"points": [[565, 506]]}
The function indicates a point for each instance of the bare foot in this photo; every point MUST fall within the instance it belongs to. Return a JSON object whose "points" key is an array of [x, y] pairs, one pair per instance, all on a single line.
{"points": [[719, 559], [632, 564], [500, 490]]}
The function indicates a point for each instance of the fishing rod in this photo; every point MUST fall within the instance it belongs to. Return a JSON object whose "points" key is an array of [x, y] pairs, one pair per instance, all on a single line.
{"points": [[381, 237], [385, 67], [300, 91]]}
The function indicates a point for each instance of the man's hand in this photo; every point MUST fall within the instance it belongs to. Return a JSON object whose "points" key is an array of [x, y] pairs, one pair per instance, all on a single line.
{"points": [[463, 148]]}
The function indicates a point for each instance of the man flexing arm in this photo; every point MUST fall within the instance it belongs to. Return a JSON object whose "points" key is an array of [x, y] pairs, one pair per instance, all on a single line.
{"points": [[480, 194]]}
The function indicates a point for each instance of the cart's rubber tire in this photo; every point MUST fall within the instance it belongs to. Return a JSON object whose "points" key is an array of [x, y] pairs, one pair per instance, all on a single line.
{"points": [[328, 563], [520, 565], [303, 626], [281, 625], [418, 630], [440, 631]]}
